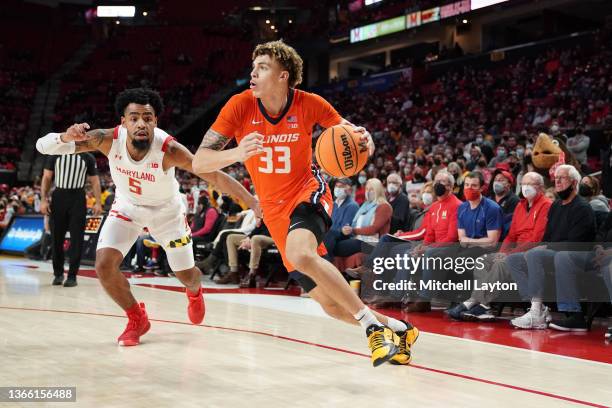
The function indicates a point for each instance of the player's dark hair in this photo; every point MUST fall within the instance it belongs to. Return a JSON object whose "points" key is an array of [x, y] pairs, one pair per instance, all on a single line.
{"points": [[141, 96]]}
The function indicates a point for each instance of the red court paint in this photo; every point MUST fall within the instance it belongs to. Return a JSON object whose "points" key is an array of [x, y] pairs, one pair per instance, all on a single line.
{"points": [[434, 370]]}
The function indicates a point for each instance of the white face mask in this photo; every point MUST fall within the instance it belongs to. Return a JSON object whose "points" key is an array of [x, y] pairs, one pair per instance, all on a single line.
{"points": [[370, 196], [427, 199], [392, 188], [529, 192]]}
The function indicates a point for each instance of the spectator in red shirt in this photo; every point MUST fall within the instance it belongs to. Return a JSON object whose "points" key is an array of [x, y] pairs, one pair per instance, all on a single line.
{"points": [[526, 231], [204, 221], [360, 191]]}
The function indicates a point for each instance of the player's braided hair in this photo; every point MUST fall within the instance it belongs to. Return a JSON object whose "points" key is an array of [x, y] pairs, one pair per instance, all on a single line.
{"points": [[286, 56], [141, 96]]}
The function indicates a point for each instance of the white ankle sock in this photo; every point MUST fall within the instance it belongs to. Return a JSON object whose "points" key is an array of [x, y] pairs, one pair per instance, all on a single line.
{"points": [[536, 306], [470, 304], [396, 325], [366, 318]]}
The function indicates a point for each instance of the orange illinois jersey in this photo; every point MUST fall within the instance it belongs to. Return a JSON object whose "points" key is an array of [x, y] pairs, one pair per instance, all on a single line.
{"points": [[284, 169]]}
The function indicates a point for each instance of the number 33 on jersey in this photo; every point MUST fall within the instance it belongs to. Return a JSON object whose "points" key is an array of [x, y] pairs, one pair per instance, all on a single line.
{"points": [[284, 166]]}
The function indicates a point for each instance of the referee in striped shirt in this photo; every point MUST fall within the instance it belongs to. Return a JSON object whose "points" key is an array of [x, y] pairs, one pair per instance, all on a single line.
{"points": [[68, 207]]}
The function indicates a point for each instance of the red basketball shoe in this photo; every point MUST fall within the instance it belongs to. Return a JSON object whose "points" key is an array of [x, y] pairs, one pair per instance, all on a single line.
{"points": [[196, 307], [138, 325]]}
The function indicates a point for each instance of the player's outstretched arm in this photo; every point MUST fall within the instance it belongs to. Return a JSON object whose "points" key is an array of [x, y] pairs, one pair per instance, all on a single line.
{"points": [[179, 156], [76, 139], [211, 156]]}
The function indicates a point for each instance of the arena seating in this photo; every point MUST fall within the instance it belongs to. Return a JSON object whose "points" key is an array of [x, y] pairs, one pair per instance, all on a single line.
{"points": [[179, 61]]}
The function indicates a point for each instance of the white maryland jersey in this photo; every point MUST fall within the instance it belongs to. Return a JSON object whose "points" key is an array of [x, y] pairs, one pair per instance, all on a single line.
{"points": [[142, 182]]}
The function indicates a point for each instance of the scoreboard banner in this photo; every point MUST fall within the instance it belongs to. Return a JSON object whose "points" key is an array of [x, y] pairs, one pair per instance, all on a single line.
{"points": [[385, 27], [418, 18]]}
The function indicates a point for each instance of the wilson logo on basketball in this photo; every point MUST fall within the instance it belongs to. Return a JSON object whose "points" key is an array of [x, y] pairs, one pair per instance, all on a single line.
{"points": [[340, 152], [346, 152]]}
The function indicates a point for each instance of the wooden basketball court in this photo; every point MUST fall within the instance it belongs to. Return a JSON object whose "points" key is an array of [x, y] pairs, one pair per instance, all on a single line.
{"points": [[272, 349]]}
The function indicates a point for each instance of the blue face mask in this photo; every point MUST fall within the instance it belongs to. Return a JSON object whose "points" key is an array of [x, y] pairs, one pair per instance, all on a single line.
{"points": [[339, 193], [362, 179]]}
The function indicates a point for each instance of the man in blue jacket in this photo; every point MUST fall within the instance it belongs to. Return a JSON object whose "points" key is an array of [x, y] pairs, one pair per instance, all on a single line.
{"points": [[343, 213]]}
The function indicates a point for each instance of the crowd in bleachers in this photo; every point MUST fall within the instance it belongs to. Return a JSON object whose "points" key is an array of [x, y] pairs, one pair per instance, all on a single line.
{"points": [[185, 71], [29, 53]]}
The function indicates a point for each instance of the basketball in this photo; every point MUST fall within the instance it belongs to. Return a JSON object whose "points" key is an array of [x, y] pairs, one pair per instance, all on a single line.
{"points": [[340, 152]]}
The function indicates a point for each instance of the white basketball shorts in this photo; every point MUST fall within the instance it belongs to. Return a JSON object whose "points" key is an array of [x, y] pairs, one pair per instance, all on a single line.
{"points": [[166, 223]]}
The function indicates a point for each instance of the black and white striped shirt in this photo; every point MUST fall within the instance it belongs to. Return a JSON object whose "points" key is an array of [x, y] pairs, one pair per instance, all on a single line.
{"points": [[71, 170]]}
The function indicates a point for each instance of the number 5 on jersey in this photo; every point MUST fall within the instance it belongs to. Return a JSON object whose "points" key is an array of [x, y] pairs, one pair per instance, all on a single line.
{"points": [[135, 186], [283, 157]]}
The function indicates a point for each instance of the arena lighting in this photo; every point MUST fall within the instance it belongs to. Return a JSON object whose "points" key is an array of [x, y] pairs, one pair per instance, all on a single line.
{"points": [[476, 4], [464, 21], [144, 13], [116, 11], [272, 27], [117, 22], [267, 21], [290, 21]]}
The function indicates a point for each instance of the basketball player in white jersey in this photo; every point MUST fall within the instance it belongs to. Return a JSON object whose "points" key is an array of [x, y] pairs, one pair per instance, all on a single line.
{"points": [[142, 159]]}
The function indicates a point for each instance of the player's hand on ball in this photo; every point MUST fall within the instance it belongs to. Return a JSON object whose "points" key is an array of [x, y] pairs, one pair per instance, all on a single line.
{"points": [[251, 145], [76, 133], [366, 138]]}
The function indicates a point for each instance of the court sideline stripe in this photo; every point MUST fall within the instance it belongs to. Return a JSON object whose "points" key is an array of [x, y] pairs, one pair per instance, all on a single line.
{"points": [[420, 367]]}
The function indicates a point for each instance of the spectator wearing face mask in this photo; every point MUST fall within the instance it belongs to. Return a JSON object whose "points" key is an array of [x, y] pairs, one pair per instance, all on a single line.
{"points": [[417, 232], [479, 222], [474, 157], [399, 202], [416, 182], [572, 222], [590, 190], [457, 172], [360, 191], [344, 211], [438, 164], [372, 221], [502, 192], [501, 155], [526, 231], [579, 144]]}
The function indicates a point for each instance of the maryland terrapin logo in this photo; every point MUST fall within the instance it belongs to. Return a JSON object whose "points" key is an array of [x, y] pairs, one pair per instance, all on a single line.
{"points": [[177, 243]]}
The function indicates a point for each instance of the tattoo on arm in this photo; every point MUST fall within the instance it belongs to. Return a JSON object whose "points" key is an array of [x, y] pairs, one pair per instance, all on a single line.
{"points": [[95, 139], [214, 140]]}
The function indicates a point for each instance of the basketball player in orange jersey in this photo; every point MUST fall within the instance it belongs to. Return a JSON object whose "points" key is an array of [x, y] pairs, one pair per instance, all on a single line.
{"points": [[142, 159], [273, 124]]}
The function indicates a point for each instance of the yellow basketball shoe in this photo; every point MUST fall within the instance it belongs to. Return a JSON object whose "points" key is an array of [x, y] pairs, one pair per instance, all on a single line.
{"points": [[382, 342], [407, 340]]}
